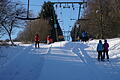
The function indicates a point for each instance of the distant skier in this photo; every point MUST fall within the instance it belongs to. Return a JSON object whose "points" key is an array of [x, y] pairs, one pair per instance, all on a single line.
{"points": [[84, 36], [49, 39], [105, 51], [37, 39], [100, 50]]}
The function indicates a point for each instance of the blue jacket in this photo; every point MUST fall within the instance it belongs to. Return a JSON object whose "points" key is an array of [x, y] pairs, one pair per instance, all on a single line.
{"points": [[84, 34], [100, 47]]}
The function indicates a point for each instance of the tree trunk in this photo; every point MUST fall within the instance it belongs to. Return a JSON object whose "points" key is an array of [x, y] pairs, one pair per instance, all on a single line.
{"points": [[10, 38]]}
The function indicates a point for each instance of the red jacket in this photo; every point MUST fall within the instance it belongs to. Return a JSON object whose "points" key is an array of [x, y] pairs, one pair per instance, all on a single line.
{"points": [[37, 38], [48, 37], [51, 40]]}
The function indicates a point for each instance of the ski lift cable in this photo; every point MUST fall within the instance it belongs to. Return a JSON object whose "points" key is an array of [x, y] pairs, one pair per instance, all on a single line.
{"points": [[27, 17], [71, 14], [61, 13], [76, 9], [56, 10]]}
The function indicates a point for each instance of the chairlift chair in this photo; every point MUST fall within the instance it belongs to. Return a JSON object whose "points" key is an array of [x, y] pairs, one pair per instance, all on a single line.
{"points": [[72, 19]]}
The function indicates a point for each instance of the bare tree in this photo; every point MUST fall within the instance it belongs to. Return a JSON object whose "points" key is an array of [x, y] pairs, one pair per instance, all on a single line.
{"points": [[8, 20], [104, 18], [40, 26]]}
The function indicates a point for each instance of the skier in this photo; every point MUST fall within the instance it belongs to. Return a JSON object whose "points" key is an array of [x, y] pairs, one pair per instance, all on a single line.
{"points": [[105, 51], [51, 40], [48, 39], [100, 50], [84, 36], [37, 39]]}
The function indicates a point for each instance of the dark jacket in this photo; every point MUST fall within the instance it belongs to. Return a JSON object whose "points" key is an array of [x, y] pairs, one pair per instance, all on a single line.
{"points": [[106, 46]]}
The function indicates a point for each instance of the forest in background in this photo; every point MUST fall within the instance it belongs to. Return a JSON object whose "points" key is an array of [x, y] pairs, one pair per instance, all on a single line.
{"points": [[101, 19]]}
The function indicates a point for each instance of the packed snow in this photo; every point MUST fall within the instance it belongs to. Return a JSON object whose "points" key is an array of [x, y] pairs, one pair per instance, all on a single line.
{"points": [[59, 61]]}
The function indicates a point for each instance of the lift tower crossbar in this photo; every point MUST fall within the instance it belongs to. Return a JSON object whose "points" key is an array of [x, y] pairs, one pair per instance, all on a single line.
{"points": [[69, 2], [80, 3]]}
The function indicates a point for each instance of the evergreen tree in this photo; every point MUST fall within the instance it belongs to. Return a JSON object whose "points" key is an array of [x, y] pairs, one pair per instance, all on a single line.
{"points": [[44, 26], [48, 12]]}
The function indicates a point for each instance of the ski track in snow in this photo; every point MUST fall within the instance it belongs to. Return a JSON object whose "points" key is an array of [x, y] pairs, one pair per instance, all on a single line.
{"points": [[25, 65], [91, 63], [68, 61], [88, 61]]}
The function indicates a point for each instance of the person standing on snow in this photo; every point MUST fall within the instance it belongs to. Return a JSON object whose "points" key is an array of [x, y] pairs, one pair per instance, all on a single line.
{"points": [[49, 39], [100, 50], [105, 51], [37, 39], [84, 36]]}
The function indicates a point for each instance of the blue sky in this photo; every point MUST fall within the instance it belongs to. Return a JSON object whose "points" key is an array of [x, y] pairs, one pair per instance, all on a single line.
{"points": [[64, 14], [65, 17]]}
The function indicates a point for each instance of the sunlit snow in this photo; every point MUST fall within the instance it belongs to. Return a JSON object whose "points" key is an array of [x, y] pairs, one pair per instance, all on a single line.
{"points": [[59, 61]]}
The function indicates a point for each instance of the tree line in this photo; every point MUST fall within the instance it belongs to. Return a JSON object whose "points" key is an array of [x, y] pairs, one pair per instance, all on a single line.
{"points": [[101, 19]]}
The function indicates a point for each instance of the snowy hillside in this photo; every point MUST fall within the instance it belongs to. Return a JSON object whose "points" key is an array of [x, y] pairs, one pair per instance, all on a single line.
{"points": [[59, 61]]}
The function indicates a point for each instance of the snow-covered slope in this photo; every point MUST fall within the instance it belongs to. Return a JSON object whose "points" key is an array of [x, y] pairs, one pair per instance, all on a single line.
{"points": [[59, 61]]}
